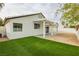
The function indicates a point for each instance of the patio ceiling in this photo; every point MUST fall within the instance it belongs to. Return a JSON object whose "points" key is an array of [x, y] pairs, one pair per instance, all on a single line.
{"points": [[47, 22]]}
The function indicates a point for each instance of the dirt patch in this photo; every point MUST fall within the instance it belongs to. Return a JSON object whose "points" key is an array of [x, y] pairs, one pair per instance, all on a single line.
{"points": [[3, 39]]}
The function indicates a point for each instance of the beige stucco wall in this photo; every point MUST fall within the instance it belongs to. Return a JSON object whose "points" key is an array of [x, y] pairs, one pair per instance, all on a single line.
{"points": [[2, 30]]}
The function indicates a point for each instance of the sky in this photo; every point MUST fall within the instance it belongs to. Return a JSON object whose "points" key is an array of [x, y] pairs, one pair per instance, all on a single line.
{"points": [[48, 9]]}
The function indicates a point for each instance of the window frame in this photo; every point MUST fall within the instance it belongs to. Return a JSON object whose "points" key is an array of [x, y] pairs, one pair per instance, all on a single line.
{"points": [[17, 27], [36, 25]]}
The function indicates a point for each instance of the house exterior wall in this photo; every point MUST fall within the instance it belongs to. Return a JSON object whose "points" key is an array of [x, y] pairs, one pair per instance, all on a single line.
{"points": [[28, 27]]}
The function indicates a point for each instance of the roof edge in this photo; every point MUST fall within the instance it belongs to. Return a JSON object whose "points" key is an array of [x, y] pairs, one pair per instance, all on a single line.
{"points": [[24, 15]]}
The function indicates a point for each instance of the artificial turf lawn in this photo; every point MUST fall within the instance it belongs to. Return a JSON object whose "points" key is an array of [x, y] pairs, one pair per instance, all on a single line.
{"points": [[29, 46]]}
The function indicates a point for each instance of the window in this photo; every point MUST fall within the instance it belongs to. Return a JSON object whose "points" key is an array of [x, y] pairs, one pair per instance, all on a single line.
{"points": [[17, 27], [36, 25]]}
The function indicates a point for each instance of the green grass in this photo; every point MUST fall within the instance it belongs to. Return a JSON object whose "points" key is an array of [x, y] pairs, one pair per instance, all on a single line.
{"points": [[33, 46]]}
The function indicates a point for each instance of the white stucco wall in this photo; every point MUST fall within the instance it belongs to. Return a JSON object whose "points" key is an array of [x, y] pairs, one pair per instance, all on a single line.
{"points": [[28, 27]]}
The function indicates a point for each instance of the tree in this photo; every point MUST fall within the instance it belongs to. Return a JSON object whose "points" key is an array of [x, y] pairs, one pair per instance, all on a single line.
{"points": [[1, 21], [70, 13], [1, 5]]}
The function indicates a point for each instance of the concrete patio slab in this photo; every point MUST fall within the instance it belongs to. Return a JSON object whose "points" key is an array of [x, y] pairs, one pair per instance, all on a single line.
{"points": [[64, 37]]}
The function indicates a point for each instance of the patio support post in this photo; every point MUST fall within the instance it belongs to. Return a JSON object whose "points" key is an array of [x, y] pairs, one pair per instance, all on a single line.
{"points": [[44, 29]]}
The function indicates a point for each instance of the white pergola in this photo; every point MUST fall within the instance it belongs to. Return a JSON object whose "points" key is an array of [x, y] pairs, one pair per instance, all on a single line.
{"points": [[44, 22]]}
